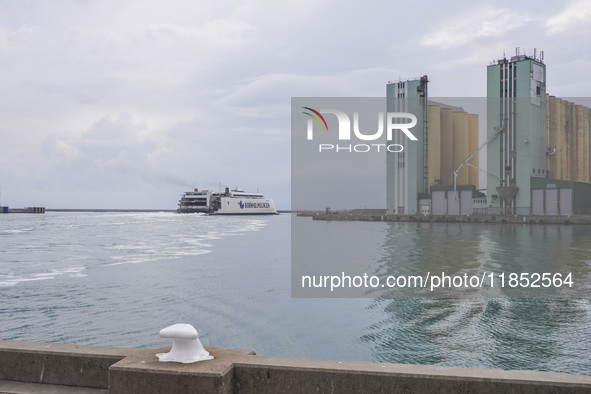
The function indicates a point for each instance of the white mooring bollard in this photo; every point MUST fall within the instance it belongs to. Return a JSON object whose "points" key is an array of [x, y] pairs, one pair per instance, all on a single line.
{"points": [[186, 346]]}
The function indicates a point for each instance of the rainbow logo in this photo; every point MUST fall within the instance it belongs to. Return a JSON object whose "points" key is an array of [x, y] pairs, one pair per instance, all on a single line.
{"points": [[315, 118]]}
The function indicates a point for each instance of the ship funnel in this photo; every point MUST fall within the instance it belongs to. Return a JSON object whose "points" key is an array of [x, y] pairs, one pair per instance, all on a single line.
{"points": [[507, 193], [186, 346]]}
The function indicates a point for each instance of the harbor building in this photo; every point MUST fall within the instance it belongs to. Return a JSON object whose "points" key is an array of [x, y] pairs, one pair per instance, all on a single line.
{"points": [[538, 148], [447, 135], [453, 137], [569, 145], [407, 171], [516, 129]]}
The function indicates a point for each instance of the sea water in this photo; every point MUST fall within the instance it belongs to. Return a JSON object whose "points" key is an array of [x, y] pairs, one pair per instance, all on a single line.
{"points": [[116, 279]]}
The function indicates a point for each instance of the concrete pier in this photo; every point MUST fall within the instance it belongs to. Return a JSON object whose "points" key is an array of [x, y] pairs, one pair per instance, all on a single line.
{"points": [[498, 219], [45, 367], [22, 210]]}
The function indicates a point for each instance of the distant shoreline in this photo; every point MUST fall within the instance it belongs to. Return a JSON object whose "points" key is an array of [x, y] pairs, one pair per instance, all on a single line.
{"points": [[106, 210], [475, 218], [122, 210]]}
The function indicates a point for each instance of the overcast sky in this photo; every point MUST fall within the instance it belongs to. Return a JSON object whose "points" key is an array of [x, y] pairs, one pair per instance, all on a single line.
{"points": [[126, 104]]}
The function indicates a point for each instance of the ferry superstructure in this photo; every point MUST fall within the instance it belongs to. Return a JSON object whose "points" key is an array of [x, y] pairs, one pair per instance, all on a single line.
{"points": [[228, 202]]}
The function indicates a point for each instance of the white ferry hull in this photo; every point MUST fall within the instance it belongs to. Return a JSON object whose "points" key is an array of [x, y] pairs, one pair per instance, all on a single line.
{"points": [[245, 206], [234, 202]]}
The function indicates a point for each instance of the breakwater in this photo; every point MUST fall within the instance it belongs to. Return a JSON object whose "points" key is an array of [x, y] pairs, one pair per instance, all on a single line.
{"points": [[123, 210], [22, 210], [476, 218], [40, 366]]}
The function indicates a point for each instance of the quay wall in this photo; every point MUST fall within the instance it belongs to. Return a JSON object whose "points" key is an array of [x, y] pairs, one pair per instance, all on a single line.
{"points": [[500, 219], [122, 370]]}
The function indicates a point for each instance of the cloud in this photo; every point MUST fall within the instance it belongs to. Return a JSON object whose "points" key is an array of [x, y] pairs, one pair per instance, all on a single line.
{"points": [[218, 33], [115, 152], [575, 15], [471, 25], [274, 90], [111, 95]]}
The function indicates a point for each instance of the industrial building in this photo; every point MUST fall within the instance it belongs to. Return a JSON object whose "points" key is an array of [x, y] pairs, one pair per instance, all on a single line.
{"points": [[538, 149], [538, 153], [447, 136], [406, 171], [516, 128], [568, 142]]}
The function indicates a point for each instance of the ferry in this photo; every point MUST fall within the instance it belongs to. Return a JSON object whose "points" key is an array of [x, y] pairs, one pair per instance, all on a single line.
{"points": [[228, 202]]}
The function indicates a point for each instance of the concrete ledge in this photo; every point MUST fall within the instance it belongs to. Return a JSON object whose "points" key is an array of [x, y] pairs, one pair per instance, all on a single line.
{"points": [[240, 371], [143, 373], [270, 374], [9, 387], [57, 363]]}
